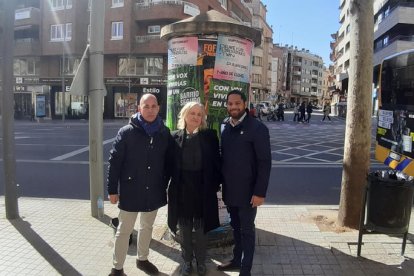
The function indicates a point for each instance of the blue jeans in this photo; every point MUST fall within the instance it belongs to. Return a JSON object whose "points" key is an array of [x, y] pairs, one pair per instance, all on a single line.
{"points": [[242, 222]]}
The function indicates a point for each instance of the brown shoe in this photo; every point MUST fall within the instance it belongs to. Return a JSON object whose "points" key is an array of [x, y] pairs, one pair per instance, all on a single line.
{"points": [[117, 272], [147, 267], [228, 266]]}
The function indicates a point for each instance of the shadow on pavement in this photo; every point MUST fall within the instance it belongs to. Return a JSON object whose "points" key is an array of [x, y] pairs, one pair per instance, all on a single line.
{"points": [[43, 248]]}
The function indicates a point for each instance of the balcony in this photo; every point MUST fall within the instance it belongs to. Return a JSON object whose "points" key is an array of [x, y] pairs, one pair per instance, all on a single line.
{"points": [[150, 44], [297, 73], [395, 45], [403, 13], [164, 10], [27, 47], [27, 17]]}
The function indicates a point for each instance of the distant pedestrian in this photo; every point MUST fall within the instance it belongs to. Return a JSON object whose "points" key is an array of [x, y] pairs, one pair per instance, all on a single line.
{"points": [[302, 111], [296, 113], [246, 164], [309, 110], [326, 111]]}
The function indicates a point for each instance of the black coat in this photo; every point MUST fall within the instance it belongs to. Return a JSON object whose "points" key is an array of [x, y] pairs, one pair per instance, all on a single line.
{"points": [[211, 179], [247, 161], [139, 167]]}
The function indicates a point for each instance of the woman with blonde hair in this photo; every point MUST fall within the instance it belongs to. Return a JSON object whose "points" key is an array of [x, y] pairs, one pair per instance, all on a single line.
{"points": [[192, 193]]}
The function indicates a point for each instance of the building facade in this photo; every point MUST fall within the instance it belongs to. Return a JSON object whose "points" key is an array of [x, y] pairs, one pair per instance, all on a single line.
{"points": [[51, 36], [279, 68], [261, 73], [393, 33]]}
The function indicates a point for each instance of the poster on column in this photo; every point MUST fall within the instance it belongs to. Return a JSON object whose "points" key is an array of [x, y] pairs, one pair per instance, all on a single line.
{"points": [[183, 83], [231, 71], [217, 100], [233, 59]]}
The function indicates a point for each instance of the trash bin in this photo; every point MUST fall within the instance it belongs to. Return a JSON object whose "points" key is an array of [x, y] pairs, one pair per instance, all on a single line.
{"points": [[389, 202]]}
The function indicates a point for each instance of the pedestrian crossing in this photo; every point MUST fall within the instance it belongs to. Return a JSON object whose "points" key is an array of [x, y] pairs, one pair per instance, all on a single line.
{"points": [[314, 144]]}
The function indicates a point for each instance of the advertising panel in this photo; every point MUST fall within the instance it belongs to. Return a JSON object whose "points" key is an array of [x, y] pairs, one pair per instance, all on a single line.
{"points": [[205, 69], [40, 106]]}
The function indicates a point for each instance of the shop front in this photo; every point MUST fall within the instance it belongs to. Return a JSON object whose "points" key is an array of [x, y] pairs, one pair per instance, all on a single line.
{"points": [[26, 90], [124, 95]]}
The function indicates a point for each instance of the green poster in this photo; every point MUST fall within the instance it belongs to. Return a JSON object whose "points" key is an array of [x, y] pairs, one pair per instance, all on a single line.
{"points": [[183, 86], [217, 108]]}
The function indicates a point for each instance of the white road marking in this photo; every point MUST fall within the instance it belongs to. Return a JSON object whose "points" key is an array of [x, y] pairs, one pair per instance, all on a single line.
{"points": [[79, 151]]}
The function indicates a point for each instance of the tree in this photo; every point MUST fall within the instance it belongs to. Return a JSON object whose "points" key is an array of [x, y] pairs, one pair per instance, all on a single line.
{"points": [[358, 123]]}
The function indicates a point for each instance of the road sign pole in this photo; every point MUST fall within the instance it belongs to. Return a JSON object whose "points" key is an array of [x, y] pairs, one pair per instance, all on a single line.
{"points": [[9, 159], [96, 96]]}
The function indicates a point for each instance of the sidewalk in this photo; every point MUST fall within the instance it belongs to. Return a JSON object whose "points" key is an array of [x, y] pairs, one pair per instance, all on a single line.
{"points": [[59, 237]]}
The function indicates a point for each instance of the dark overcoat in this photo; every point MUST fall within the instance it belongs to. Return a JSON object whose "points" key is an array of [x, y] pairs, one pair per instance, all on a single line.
{"points": [[246, 161], [139, 167], [210, 174]]}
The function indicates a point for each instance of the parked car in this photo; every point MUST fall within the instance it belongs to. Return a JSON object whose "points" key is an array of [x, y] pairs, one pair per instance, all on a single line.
{"points": [[264, 110]]}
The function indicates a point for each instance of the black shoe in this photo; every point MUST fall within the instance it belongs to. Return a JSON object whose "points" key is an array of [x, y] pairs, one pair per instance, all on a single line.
{"points": [[117, 272], [201, 269], [186, 269], [228, 266], [147, 267]]}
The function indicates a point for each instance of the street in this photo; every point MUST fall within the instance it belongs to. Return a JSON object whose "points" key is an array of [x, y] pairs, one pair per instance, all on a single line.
{"points": [[52, 159]]}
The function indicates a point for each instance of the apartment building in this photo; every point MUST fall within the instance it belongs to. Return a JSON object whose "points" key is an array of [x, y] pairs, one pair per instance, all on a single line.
{"points": [[393, 33], [279, 69], [51, 36], [261, 73], [304, 75]]}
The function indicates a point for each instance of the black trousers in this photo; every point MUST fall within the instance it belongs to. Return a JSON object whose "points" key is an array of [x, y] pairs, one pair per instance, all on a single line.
{"points": [[194, 243], [242, 222]]}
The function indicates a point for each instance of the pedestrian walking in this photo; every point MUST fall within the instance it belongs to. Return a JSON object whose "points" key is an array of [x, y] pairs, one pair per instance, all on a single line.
{"points": [[326, 111], [309, 110], [246, 164], [138, 175], [192, 193], [302, 111], [296, 113]]}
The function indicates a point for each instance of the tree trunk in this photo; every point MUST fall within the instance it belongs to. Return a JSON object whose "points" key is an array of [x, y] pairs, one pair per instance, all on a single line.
{"points": [[358, 117]]}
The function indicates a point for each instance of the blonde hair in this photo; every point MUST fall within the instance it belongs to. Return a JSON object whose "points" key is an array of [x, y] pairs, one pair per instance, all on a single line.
{"points": [[184, 111]]}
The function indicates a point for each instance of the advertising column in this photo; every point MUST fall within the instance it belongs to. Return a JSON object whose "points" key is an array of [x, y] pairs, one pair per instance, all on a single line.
{"points": [[205, 69]]}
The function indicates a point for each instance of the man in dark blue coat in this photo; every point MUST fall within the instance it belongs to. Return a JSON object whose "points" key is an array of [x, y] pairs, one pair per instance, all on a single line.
{"points": [[246, 164], [138, 176]]}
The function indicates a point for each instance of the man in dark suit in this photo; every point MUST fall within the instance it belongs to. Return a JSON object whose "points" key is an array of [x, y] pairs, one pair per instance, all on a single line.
{"points": [[246, 164]]}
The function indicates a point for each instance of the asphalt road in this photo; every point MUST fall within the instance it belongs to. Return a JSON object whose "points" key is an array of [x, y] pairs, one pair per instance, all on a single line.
{"points": [[52, 159]]}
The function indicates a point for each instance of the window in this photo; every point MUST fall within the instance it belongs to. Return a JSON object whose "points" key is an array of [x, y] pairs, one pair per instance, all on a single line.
{"points": [[56, 32], [140, 66], [257, 60], [154, 29], [256, 78], [68, 35], [386, 40], [70, 66], [117, 30], [60, 4], [117, 3], [25, 67], [56, 4], [223, 3]]}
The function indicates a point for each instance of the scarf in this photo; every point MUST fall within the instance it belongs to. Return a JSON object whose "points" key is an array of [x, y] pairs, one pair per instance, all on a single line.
{"points": [[150, 128]]}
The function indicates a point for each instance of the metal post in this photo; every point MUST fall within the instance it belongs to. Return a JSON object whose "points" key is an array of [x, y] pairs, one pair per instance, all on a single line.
{"points": [[63, 81], [9, 160], [96, 96], [63, 65]]}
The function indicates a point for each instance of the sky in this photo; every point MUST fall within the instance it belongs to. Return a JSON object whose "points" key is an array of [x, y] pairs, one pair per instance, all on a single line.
{"points": [[304, 23]]}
